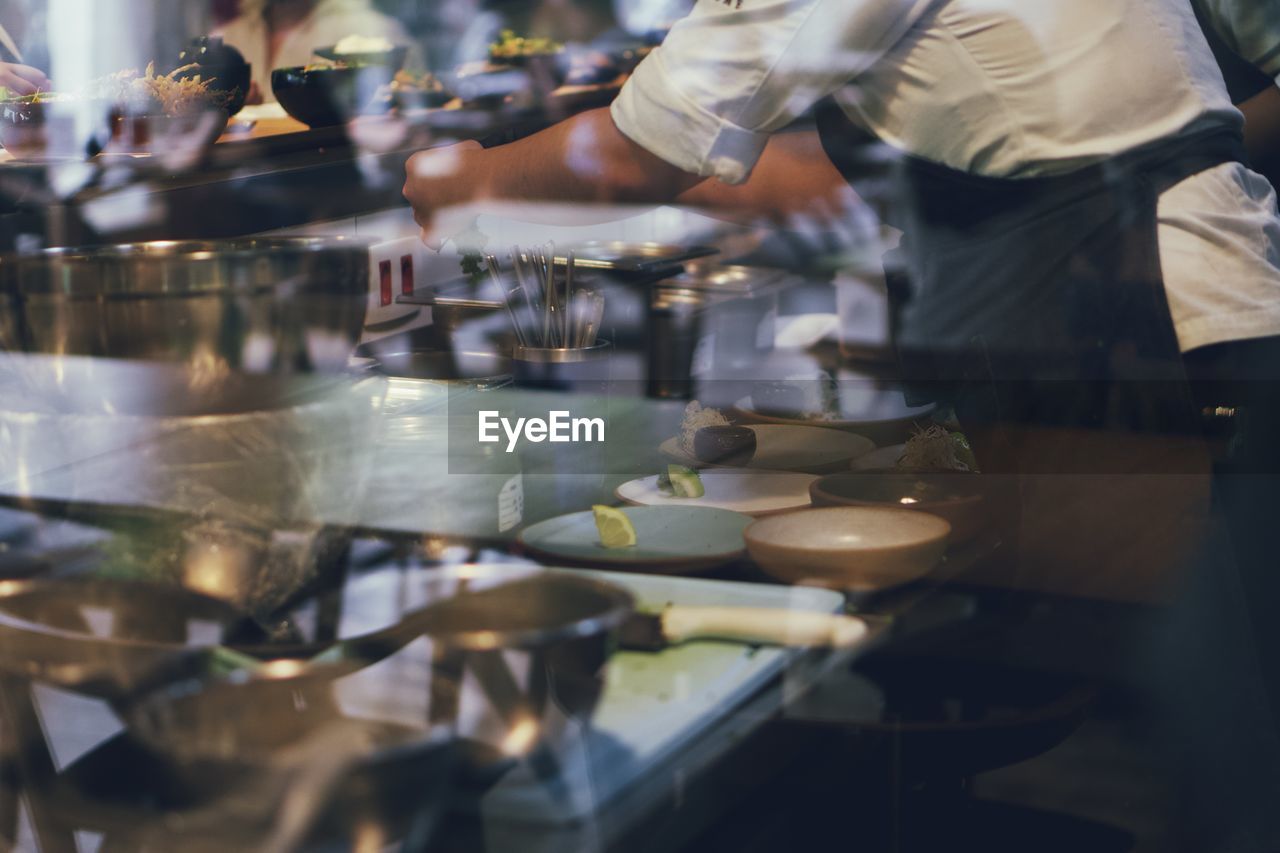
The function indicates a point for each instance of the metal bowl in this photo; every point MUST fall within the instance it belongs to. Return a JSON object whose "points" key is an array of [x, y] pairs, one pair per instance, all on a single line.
{"points": [[107, 638], [258, 306]]}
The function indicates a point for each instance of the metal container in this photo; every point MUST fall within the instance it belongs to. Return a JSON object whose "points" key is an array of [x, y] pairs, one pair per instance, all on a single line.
{"points": [[579, 369], [674, 330], [258, 306]]}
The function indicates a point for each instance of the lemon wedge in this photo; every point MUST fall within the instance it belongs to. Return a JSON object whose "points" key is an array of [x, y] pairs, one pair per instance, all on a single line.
{"points": [[616, 530]]}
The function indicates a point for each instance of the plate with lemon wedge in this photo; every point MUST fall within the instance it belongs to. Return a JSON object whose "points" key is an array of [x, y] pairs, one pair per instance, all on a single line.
{"points": [[643, 538], [744, 490]]}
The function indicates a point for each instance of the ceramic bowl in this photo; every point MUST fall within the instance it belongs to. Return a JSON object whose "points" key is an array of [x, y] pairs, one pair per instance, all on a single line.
{"points": [[957, 496], [854, 548]]}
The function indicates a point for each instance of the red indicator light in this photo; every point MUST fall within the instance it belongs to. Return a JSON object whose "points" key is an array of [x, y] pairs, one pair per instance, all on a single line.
{"points": [[406, 275], [384, 273]]}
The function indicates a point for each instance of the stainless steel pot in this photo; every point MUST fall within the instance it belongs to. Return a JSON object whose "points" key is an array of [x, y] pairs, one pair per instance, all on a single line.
{"points": [[259, 306]]}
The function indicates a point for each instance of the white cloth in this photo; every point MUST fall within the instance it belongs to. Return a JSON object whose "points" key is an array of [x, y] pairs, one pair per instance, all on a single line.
{"points": [[1005, 88], [329, 23]]}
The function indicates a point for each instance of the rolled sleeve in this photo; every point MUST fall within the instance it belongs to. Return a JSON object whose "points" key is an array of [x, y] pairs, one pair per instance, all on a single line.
{"points": [[732, 73], [653, 113]]}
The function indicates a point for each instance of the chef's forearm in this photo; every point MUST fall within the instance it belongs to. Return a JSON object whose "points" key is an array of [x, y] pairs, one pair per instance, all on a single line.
{"points": [[584, 158], [1262, 125], [793, 177]]}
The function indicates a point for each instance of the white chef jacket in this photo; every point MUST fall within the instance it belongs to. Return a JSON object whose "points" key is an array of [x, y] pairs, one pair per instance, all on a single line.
{"points": [[1004, 88], [328, 24]]}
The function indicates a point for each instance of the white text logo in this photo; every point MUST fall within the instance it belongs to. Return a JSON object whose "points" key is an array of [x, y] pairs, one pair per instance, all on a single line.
{"points": [[558, 428]]}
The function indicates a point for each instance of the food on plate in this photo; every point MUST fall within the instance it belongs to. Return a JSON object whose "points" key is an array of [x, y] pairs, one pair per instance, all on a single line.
{"points": [[8, 97], [938, 449], [681, 482], [510, 48], [409, 89], [696, 417], [362, 44], [616, 530], [178, 93], [724, 445]]}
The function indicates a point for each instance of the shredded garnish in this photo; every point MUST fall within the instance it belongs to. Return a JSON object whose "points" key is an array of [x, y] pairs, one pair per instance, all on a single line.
{"points": [[937, 449], [697, 416], [174, 93]]}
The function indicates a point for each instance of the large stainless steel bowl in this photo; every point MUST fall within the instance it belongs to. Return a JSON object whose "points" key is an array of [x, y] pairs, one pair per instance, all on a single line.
{"points": [[258, 306]]}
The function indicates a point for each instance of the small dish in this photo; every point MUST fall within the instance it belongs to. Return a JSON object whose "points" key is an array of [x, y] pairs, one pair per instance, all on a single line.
{"points": [[781, 447], [957, 496], [754, 493], [859, 549], [669, 539]]}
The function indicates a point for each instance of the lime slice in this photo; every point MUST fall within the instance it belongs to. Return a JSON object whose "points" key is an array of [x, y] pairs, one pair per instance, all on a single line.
{"points": [[685, 482], [616, 530]]}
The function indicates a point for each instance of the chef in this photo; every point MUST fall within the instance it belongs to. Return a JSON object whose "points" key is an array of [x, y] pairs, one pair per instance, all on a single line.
{"points": [[1082, 230], [284, 33], [1072, 179]]}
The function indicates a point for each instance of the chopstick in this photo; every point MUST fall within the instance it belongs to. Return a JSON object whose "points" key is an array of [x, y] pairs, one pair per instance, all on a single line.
{"points": [[559, 315], [496, 275]]}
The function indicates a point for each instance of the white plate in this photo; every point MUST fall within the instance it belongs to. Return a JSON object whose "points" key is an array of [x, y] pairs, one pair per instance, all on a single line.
{"points": [[782, 447], [862, 403], [755, 493], [885, 457]]}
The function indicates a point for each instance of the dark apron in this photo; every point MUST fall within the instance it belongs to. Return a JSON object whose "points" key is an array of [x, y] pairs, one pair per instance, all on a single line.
{"points": [[1044, 290], [1036, 309]]}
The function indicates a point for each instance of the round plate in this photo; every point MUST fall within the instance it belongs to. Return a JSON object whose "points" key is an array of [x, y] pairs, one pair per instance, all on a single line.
{"points": [[672, 538], [859, 407], [782, 447], [884, 457], [755, 493]]}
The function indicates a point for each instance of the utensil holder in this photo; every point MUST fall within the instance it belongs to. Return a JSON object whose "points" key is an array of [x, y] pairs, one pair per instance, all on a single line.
{"points": [[584, 369]]}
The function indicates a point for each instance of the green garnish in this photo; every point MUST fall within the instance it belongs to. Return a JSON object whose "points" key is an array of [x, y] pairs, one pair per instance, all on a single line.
{"points": [[681, 482]]}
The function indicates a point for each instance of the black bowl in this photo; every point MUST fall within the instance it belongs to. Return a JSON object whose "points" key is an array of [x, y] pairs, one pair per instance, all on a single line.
{"points": [[326, 97], [222, 65]]}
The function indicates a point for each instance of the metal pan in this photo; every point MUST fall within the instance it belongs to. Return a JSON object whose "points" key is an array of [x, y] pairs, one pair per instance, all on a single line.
{"points": [[636, 258], [111, 639]]}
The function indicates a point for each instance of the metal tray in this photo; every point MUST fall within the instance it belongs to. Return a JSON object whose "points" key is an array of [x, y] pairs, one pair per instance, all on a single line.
{"points": [[729, 279], [620, 256]]}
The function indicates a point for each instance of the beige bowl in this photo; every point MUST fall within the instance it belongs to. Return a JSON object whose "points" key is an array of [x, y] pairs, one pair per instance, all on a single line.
{"points": [[854, 548]]}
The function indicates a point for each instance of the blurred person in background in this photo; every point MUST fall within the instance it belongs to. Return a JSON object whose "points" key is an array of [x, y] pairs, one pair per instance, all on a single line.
{"points": [[284, 33], [16, 74]]}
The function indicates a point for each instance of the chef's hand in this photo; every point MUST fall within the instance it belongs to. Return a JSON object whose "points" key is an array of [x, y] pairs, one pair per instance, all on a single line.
{"points": [[437, 180], [254, 98], [23, 79]]}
